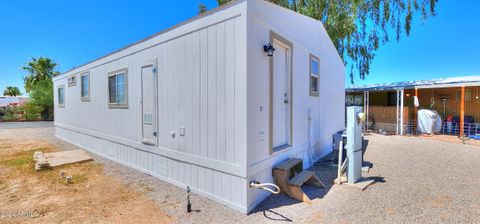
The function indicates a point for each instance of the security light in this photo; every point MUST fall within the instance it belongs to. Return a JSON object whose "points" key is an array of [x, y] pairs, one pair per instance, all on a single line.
{"points": [[268, 49]]}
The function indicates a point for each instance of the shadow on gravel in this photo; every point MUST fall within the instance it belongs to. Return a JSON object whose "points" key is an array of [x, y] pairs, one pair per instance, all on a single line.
{"points": [[325, 171]]}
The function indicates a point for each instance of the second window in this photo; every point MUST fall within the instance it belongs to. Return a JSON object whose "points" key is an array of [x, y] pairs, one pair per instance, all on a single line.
{"points": [[117, 89], [314, 75]]}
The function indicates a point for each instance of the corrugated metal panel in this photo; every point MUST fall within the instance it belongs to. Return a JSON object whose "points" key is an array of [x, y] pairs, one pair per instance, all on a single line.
{"points": [[193, 69], [197, 86]]}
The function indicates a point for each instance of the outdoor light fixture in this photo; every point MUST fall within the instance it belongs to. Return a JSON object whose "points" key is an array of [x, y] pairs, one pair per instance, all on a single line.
{"points": [[361, 117], [268, 49]]}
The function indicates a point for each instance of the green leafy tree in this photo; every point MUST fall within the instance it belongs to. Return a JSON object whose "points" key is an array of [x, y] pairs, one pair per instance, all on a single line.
{"points": [[359, 27], [202, 8], [38, 70], [39, 85], [12, 91], [41, 96]]}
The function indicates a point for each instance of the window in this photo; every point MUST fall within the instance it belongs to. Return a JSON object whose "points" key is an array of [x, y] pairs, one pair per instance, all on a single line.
{"points": [[72, 81], [61, 96], [314, 75], [117, 89], [85, 87]]}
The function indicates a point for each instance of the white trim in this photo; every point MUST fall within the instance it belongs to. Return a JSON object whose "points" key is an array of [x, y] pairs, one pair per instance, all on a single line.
{"points": [[84, 98], [150, 63], [61, 105], [449, 85], [401, 110], [124, 105], [313, 75], [221, 166]]}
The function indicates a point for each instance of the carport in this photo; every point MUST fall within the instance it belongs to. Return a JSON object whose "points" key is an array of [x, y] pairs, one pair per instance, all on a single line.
{"points": [[392, 106]]}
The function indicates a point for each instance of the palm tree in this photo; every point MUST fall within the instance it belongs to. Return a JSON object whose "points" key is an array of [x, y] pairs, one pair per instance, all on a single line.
{"points": [[12, 91], [38, 70]]}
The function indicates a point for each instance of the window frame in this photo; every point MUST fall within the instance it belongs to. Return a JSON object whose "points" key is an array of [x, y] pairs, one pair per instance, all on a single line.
{"points": [[311, 75], [115, 73], [85, 98], [61, 105]]}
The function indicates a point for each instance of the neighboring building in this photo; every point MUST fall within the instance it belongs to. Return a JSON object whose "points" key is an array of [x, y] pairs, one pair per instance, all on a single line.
{"points": [[6, 101], [203, 105], [392, 104]]}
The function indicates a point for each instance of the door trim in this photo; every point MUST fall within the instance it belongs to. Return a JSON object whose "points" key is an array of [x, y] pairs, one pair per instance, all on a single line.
{"points": [[146, 63], [276, 37]]}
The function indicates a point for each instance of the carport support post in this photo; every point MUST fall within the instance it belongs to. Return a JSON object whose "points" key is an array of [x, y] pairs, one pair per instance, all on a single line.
{"points": [[462, 112], [401, 111], [415, 112], [366, 103], [397, 113]]}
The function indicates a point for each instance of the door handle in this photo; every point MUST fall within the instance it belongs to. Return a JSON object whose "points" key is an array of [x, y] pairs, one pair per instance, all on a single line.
{"points": [[285, 101], [155, 133]]}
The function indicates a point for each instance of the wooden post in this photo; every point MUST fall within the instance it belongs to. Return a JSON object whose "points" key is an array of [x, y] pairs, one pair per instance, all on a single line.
{"points": [[462, 112]]}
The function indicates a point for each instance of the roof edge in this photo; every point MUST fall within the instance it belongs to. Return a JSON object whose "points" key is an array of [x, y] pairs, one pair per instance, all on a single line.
{"points": [[459, 80]]}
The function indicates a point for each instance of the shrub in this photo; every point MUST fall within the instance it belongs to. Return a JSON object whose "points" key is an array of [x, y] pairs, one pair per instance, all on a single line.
{"points": [[32, 112]]}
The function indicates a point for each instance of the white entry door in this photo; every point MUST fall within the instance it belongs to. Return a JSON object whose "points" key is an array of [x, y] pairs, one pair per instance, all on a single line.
{"points": [[149, 103], [281, 98]]}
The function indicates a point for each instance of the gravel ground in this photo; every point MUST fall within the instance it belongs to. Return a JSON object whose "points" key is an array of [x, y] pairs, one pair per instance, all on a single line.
{"points": [[418, 181], [35, 124]]}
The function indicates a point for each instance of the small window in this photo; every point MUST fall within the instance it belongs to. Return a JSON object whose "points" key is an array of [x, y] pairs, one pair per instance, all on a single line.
{"points": [[85, 87], [314, 75], [72, 80], [61, 96], [117, 89]]}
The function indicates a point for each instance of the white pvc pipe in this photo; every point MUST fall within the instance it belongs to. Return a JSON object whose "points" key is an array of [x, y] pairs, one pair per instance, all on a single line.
{"points": [[398, 99], [340, 157], [368, 108], [401, 110]]}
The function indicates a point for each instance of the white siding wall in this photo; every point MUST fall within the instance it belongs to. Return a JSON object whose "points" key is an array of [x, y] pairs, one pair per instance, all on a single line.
{"points": [[308, 37], [206, 86], [201, 86]]}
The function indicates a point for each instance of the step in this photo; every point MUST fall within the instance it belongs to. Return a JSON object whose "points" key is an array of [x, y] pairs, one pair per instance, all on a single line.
{"points": [[301, 178], [291, 167]]}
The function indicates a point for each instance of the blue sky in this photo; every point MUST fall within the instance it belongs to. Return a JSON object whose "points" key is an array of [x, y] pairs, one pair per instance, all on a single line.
{"points": [[74, 32]]}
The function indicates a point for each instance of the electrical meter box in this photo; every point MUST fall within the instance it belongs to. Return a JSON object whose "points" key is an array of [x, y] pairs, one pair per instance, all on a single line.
{"points": [[354, 144]]}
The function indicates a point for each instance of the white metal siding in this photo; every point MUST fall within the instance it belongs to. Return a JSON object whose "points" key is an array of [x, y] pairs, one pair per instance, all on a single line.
{"points": [[201, 87], [308, 37]]}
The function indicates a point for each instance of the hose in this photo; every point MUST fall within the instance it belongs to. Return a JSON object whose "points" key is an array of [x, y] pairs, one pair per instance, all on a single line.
{"points": [[263, 186]]}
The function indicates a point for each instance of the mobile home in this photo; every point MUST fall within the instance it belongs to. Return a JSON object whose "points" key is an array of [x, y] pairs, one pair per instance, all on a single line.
{"points": [[213, 103]]}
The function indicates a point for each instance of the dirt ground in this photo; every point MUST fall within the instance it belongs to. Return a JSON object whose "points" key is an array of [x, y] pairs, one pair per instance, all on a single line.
{"points": [[27, 196]]}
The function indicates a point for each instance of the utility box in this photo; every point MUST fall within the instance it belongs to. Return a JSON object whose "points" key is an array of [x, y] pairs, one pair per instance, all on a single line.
{"points": [[354, 144]]}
